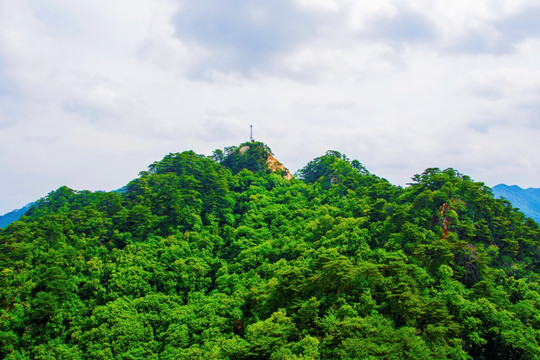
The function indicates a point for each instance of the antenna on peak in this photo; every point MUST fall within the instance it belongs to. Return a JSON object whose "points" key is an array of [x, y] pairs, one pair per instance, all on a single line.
{"points": [[251, 133]]}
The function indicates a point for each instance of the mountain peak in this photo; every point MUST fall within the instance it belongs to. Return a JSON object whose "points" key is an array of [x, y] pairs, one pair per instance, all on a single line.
{"points": [[254, 156]]}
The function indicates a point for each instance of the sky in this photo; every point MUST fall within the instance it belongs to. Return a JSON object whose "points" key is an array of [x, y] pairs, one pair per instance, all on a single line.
{"points": [[92, 92]]}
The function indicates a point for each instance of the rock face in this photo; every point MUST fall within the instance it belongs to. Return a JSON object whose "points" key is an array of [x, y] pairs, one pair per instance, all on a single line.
{"points": [[276, 166], [243, 149]]}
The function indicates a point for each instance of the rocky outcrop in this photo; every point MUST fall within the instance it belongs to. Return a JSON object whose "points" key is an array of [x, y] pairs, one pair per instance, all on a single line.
{"points": [[276, 166]]}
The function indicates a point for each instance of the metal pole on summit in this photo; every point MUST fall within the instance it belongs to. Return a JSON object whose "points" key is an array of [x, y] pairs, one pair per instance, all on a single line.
{"points": [[251, 133]]}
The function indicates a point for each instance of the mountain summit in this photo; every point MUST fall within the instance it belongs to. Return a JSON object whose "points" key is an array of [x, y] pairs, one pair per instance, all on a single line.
{"points": [[254, 156]]}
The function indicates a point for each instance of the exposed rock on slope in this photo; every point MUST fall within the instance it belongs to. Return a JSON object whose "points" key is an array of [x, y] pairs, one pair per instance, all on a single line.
{"points": [[276, 166], [254, 156]]}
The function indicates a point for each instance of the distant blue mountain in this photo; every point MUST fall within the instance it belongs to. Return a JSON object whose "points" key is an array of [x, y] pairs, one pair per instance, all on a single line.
{"points": [[527, 200], [12, 216]]}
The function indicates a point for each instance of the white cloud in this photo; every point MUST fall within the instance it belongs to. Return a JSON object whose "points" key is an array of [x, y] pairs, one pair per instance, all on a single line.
{"points": [[320, 5]]}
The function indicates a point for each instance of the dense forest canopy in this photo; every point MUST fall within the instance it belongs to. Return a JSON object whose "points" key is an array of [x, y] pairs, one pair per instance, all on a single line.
{"points": [[222, 258]]}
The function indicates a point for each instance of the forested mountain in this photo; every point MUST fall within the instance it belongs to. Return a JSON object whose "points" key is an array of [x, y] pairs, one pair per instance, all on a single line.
{"points": [[527, 200], [223, 258]]}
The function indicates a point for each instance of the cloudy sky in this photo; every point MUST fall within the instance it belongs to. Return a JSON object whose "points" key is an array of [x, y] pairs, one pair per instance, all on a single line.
{"points": [[91, 92]]}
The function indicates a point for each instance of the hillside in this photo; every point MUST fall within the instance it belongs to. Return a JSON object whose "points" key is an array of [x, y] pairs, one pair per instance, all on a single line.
{"points": [[222, 257], [527, 200]]}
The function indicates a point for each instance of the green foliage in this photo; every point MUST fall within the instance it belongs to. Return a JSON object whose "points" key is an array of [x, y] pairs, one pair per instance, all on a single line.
{"points": [[250, 155], [223, 259]]}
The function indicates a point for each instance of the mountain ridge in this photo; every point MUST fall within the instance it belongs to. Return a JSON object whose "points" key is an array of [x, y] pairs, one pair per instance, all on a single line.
{"points": [[527, 200], [13, 215]]}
